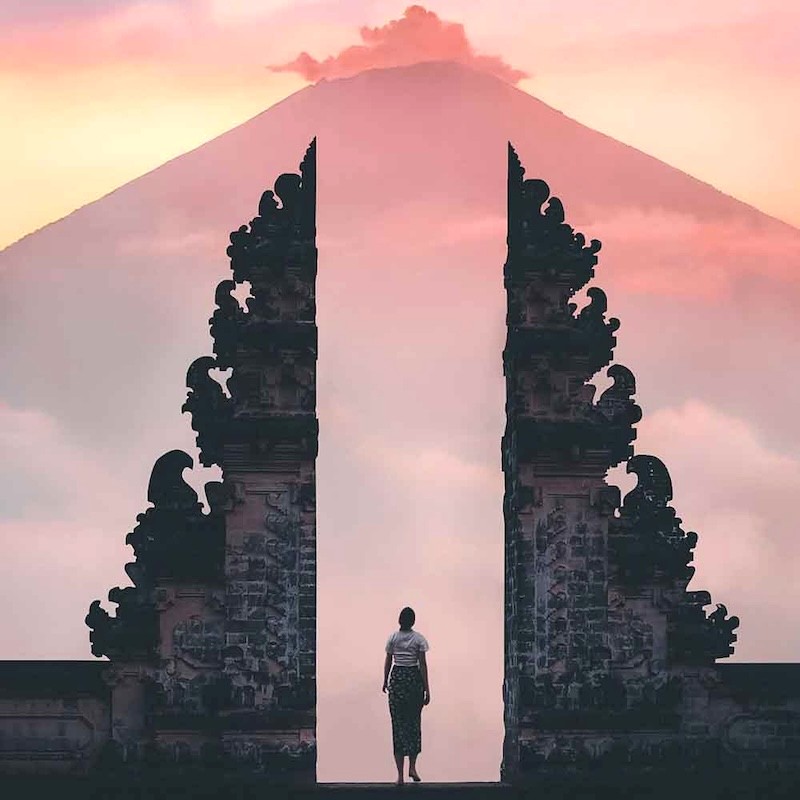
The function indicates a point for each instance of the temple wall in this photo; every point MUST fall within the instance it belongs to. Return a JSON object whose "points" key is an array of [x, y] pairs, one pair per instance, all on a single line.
{"points": [[737, 716], [55, 716], [60, 718]]}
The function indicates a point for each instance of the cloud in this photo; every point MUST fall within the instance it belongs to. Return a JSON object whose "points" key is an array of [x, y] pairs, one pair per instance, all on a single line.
{"points": [[45, 473], [83, 35], [420, 35], [47, 13], [721, 41], [684, 256]]}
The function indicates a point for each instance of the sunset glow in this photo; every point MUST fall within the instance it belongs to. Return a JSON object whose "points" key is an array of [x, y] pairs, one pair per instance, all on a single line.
{"points": [[103, 311], [100, 93]]}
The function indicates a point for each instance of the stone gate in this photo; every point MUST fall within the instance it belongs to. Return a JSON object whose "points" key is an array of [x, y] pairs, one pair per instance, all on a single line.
{"points": [[609, 659], [608, 656]]}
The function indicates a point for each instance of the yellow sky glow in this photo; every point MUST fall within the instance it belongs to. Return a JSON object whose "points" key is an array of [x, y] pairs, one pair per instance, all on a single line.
{"points": [[83, 127], [77, 138]]}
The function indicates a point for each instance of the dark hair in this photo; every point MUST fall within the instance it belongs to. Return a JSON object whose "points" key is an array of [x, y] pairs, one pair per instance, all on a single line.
{"points": [[406, 619]]}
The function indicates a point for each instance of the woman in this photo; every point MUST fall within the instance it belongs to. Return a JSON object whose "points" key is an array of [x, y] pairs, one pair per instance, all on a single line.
{"points": [[408, 691]]}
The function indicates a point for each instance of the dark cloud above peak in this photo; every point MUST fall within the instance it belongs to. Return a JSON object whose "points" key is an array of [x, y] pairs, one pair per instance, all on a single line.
{"points": [[419, 35]]}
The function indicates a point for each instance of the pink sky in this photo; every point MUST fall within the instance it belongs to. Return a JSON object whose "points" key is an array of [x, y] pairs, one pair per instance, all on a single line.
{"points": [[101, 92], [100, 96]]}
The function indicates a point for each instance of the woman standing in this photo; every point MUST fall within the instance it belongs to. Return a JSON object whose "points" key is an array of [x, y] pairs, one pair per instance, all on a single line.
{"points": [[408, 691]]}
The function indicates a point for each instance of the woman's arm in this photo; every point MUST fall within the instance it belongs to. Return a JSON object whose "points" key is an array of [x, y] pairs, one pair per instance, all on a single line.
{"points": [[387, 665], [423, 668]]}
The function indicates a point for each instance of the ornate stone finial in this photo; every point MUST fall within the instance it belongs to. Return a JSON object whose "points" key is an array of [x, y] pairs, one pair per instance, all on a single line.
{"points": [[647, 542], [278, 227], [539, 240], [173, 540], [167, 488], [616, 403], [209, 407], [699, 639], [131, 634], [653, 487], [225, 322]]}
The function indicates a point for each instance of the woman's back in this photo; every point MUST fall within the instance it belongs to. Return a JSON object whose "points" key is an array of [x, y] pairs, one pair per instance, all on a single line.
{"points": [[405, 647]]}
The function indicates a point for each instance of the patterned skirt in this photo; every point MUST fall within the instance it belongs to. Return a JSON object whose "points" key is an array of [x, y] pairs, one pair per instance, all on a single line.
{"points": [[405, 707]]}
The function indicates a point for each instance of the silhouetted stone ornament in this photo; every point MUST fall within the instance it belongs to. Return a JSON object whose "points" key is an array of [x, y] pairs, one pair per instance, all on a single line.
{"points": [[699, 639], [592, 315], [173, 539], [210, 409], [616, 403], [288, 187], [131, 634], [653, 488], [267, 206], [539, 241], [647, 542], [167, 488], [271, 239], [225, 323]]}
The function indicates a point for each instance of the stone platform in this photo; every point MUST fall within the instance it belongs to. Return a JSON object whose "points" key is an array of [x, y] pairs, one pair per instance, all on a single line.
{"points": [[620, 785]]}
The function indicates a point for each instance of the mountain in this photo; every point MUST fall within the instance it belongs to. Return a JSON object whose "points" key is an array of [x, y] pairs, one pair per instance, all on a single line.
{"points": [[103, 311]]}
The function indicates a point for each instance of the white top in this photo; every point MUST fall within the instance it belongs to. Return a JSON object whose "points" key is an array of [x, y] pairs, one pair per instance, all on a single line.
{"points": [[406, 646]]}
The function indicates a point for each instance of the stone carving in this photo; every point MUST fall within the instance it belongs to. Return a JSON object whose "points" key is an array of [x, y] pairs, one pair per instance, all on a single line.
{"points": [[173, 540], [209, 407], [272, 243], [647, 542], [616, 403], [648, 547], [697, 638], [599, 623], [225, 322], [767, 732], [546, 243], [131, 634], [198, 642]]}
